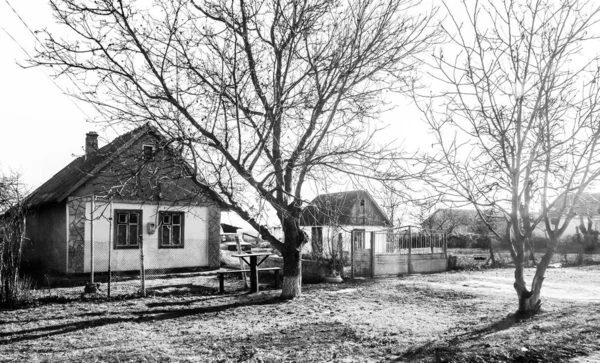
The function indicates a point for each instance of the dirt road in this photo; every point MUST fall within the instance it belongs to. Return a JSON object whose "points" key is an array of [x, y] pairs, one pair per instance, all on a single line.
{"points": [[569, 284]]}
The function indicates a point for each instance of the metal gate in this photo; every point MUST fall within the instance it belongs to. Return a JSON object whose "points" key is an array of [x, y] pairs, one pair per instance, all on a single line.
{"points": [[361, 253]]}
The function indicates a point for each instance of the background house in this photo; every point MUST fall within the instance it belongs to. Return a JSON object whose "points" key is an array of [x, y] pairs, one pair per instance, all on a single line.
{"points": [[452, 221], [587, 212], [333, 221], [133, 192]]}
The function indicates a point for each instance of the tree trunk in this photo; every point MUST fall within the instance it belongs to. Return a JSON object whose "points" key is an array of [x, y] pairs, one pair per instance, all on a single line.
{"points": [[531, 251], [292, 264], [491, 249], [530, 301], [292, 273]]}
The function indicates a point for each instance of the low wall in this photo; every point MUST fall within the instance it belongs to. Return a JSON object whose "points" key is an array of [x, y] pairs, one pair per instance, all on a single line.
{"points": [[391, 264], [435, 262], [398, 264]]}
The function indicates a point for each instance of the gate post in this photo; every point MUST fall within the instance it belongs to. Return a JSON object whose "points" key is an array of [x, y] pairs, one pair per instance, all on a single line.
{"points": [[409, 250], [445, 245], [372, 254], [352, 255]]}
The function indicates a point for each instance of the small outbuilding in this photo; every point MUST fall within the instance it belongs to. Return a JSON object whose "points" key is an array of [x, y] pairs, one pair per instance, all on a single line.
{"points": [[334, 221]]}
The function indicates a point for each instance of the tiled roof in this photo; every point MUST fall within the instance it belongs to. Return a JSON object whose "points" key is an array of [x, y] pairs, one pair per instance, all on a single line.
{"points": [[588, 204], [79, 170], [322, 209]]}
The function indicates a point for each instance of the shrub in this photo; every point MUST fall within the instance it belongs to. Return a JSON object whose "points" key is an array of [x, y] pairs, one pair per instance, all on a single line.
{"points": [[457, 242], [480, 241]]}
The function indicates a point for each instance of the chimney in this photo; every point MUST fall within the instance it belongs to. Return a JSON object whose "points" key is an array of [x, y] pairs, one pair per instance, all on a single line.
{"points": [[91, 143]]}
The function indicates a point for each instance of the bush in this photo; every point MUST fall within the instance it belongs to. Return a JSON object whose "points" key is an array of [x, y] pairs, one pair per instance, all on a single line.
{"points": [[457, 242], [481, 242], [539, 243]]}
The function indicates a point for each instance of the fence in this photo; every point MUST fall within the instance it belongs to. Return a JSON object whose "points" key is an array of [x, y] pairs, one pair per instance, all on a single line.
{"points": [[120, 269], [401, 251], [405, 241]]}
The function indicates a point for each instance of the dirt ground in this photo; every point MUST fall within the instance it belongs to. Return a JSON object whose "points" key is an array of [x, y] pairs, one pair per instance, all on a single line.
{"points": [[455, 316]]}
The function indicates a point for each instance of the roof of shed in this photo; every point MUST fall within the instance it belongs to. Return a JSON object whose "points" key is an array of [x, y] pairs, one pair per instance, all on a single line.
{"points": [[324, 206]]}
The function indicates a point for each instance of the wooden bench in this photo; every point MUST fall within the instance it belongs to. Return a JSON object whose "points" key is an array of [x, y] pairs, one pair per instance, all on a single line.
{"points": [[222, 274]]}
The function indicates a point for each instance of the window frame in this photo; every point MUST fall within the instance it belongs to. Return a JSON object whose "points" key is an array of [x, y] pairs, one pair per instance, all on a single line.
{"points": [[363, 241], [161, 225], [116, 224], [151, 156]]}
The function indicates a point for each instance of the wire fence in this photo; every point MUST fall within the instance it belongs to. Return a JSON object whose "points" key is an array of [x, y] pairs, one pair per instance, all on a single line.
{"points": [[123, 268]]}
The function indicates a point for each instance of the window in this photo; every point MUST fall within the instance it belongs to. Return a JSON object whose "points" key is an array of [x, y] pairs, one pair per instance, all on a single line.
{"points": [[171, 230], [358, 238], [128, 230], [317, 240], [148, 152]]}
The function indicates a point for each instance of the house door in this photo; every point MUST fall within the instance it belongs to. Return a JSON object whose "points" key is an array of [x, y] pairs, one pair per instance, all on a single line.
{"points": [[361, 253]]}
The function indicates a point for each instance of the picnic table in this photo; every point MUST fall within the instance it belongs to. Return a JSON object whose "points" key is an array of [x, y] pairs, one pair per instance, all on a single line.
{"points": [[253, 262]]}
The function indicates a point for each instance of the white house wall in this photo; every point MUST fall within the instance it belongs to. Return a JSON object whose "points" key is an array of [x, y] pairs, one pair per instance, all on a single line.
{"points": [[330, 234], [194, 253], [572, 228]]}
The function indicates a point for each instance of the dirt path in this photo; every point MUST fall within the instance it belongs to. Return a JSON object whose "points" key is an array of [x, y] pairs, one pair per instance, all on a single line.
{"points": [[568, 284]]}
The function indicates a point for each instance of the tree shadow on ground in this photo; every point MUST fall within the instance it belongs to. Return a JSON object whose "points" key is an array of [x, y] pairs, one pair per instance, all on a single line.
{"points": [[151, 305], [181, 289], [446, 348], [136, 316]]}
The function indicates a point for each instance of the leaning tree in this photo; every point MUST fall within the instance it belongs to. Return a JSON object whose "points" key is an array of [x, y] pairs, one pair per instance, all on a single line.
{"points": [[261, 96], [516, 115]]}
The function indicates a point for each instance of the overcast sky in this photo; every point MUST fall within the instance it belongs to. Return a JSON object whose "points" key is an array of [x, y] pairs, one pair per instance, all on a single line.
{"points": [[42, 129]]}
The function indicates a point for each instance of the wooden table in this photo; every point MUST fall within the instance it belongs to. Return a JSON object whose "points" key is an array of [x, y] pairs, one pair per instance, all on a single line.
{"points": [[253, 262]]}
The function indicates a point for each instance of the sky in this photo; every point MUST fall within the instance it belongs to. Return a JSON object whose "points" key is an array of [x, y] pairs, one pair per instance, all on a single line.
{"points": [[41, 128]]}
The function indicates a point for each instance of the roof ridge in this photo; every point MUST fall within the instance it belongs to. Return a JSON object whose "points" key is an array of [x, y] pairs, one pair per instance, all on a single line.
{"points": [[81, 169], [107, 159]]}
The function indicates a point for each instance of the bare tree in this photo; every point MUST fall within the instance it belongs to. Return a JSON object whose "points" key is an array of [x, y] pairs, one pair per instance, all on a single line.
{"points": [[12, 228], [447, 219], [261, 96], [517, 118], [394, 204]]}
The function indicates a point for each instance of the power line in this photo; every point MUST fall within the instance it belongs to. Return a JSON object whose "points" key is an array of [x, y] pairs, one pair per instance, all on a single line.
{"points": [[56, 84], [67, 74]]}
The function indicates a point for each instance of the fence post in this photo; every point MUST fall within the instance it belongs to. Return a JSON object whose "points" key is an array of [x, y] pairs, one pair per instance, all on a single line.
{"points": [[110, 227], [142, 267], [372, 254], [352, 255], [92, 240], [431, 241], [409, 250], [445, 245]]}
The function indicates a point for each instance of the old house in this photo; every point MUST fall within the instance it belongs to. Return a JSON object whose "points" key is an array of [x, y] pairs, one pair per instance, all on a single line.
{"points": [[587, 212], [135, 194], [334, 221]]}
